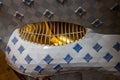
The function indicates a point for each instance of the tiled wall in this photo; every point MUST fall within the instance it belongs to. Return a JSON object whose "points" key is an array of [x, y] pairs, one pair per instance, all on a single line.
{"points": [[62, 12]]}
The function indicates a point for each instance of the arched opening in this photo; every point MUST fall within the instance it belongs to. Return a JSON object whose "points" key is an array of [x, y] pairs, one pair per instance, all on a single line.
{"points": [[52, 33]]}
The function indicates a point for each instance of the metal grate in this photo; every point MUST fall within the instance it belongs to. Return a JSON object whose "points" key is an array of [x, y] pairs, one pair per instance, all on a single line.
{"points": [[52, 33]]}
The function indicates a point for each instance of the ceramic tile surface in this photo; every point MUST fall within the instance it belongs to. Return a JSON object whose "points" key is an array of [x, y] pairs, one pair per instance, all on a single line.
{"points": [[106, 13], [62, 58]]}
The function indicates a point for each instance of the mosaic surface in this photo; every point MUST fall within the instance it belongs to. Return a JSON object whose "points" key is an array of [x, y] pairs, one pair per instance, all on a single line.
{"points": [[94, 50], [92, 18], [63, 11]]}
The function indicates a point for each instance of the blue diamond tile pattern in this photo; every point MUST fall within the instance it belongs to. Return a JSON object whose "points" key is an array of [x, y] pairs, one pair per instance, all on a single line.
{"points": [[80, 11], [14, 40], [108, 57], [68, 58], [97, 47], [118, 66], [58, 67], [77, 48], [48, 13], [21, 49], [28, 2], [14, 59], [21, 68], [117, 47], [28, 59], [115, 7], [38, 69], [8, 49], [97, 23], [88, 57], [48, 59]]}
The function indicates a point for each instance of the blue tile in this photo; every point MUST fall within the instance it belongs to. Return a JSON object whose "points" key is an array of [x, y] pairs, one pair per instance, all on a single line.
{"points": [[38, 69], [21, 68], [48, 13], [118, 66], [115, 7], [28, 59], [14, 40], [80, 11], [21, 49], [77, 48], [18, 15], [97, 23], [58, 67], [14, 59], [88, 57], [117, 46], [8, 49], [28, 2], [68, 58], [48, 59], [97, 47], [108, 57]]}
